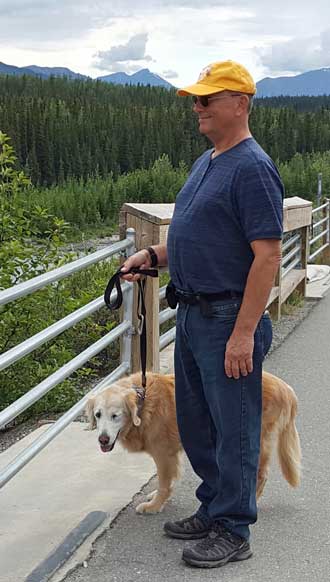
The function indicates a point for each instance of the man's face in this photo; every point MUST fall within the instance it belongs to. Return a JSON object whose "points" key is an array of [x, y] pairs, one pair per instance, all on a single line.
{"points": [[222, 114]]}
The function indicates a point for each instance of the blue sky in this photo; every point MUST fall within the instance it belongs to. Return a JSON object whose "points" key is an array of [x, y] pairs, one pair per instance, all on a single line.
{"points": [[173, 38]]}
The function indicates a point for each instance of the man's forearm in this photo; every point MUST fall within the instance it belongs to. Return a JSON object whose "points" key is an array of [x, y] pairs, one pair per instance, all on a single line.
{"points": [[258, 287]]}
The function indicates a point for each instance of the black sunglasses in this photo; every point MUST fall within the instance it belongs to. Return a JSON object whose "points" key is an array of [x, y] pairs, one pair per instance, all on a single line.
{"points": [[205, 99]]}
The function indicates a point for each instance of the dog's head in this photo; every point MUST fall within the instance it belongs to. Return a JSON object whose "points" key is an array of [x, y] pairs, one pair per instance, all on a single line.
{"points": [[112, 412]]}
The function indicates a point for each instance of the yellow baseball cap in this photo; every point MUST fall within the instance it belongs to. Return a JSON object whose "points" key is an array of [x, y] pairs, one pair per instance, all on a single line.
{"points": [[221, 76]]}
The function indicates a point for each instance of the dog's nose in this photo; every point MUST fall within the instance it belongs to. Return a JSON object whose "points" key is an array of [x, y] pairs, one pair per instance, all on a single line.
{"points": [[104, 439]]}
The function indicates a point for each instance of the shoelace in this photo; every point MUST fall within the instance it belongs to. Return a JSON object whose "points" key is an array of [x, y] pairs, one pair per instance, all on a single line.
{"points": [[222, 531]]}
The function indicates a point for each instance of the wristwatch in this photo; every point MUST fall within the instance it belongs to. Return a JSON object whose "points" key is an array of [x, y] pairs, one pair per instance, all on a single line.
{"points": [[153, 256]]}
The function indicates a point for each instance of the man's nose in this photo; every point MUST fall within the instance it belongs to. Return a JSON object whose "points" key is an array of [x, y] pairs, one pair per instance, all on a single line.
{"points": [[104, 439], [198, 106]]}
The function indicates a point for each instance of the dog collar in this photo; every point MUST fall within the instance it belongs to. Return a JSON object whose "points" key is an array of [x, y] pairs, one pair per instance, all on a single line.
{"points": [[141, 394]]}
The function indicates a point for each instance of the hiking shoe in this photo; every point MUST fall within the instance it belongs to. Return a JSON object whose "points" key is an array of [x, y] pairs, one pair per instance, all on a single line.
{"points": [[190, 528], [220, 547]]}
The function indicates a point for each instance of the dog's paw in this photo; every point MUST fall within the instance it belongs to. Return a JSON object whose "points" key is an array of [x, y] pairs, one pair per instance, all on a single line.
{"points": [[151, 495], [149, 507]]}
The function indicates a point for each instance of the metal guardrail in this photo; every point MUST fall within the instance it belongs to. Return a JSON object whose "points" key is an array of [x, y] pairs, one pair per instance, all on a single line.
{"points": [[28, 287], [291, 246], [165, 315], [124, 330], [320, 229]]}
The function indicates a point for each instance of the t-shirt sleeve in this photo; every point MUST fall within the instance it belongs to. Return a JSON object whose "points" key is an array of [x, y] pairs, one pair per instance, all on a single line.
{"points": [[259, 196]]}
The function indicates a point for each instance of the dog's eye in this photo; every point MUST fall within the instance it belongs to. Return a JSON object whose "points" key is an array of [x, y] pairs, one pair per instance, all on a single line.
{"points": [[114, 416], [98, 414]]}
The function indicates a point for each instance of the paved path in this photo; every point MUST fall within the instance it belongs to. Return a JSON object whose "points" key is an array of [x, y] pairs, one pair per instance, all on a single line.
{"points": [[291, 540], [61, 501]]}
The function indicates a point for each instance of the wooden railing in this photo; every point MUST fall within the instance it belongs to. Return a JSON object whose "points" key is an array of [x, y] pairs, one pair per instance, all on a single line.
{"points": [[151, 222]]}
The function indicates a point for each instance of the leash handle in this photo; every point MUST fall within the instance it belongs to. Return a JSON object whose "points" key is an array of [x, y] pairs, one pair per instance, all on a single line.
{"points": [[141, 309], [114, 281]]}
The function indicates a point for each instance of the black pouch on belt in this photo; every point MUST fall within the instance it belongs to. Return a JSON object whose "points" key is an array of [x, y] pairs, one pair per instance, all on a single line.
{"points": [[170, 295]]}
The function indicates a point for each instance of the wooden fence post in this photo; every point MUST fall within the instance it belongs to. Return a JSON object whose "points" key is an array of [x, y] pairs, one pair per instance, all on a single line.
{"points": [[274, 305], [297, 216], [304, 241], [150, 222]]}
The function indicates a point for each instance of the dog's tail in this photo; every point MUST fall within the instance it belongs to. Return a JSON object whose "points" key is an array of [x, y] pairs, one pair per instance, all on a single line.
{"points": [[288, 445]]}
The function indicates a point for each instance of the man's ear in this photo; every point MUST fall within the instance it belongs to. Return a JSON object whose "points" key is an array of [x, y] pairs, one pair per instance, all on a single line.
{"points": [[89, 412], [131, 404]]}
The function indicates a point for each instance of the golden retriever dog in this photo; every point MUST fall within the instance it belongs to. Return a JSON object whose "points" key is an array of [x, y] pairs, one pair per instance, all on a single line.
{"points": [[153, 429]]}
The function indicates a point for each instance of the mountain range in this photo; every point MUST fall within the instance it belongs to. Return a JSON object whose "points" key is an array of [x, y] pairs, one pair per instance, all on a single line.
{"points": [[142, 77], [311, 83], [43, 72]]}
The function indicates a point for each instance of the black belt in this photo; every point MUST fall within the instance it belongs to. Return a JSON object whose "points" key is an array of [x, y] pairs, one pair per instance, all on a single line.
{"points": [[195, 298]]}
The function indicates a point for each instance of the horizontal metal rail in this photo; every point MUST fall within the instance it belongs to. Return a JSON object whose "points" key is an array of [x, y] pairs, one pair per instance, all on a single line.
{"points": [[28, 287], [320, 222], [290, 267], [57, 377], [166, 314], [290, 242], [325, 234], [317, 237], [318, 251], [291, 254], [43, 440], [320, 207], [162, 292], [166, 338], [37, 340]]}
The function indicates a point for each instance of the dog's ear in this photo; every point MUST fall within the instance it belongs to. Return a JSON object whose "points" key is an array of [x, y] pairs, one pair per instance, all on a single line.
{"points": [[131, 404], [89, 412]]}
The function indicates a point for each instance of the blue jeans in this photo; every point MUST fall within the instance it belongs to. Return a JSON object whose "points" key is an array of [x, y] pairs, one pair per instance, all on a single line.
{"points": [[219, 418]]}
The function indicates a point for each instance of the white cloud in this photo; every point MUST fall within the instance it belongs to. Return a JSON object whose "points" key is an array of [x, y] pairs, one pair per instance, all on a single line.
{"points": [[297, 54], [133, 50], [169, 74], [182, 36]]}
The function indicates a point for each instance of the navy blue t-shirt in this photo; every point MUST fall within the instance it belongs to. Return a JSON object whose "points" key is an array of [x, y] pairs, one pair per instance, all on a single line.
{"points": [[226, 203]]}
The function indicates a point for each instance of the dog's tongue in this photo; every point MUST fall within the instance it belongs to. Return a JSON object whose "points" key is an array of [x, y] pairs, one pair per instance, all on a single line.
{"points": [[106, 448]]}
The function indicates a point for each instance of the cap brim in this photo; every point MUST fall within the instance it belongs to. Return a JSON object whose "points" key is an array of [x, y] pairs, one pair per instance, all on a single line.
{"points": [[199, 89]]}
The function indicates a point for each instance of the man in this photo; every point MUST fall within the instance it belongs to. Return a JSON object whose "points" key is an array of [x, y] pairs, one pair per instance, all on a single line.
{"points": [[223, 252]]}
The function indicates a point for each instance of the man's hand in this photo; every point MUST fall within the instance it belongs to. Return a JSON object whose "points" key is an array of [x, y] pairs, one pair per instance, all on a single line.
{"points": [[239, 349], [238, 357], [140, 260]]}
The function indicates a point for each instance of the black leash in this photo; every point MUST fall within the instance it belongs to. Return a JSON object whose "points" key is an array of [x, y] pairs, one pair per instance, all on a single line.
{"points": [[141, 313]]}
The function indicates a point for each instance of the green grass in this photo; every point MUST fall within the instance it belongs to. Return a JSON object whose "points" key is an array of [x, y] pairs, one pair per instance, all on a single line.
{"points": [[293, 302]]}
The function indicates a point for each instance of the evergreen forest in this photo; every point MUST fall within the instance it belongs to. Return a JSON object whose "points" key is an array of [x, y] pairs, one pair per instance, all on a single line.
{"points": [[62, 129]]}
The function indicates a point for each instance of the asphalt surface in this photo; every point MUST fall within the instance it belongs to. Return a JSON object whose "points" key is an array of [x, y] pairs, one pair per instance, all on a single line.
{"points": [[291, 540]]}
